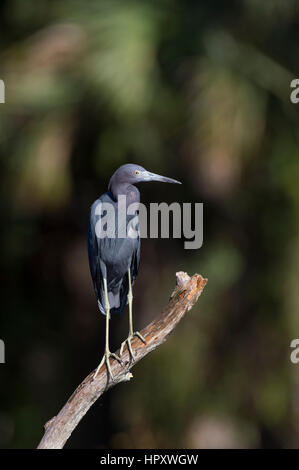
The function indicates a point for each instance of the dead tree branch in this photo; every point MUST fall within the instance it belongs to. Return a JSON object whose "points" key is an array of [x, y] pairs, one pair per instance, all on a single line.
{"points": [[59, 428]]}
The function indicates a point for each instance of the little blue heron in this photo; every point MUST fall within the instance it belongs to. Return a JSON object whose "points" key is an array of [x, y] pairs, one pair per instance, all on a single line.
{"points": [[114, 261]]}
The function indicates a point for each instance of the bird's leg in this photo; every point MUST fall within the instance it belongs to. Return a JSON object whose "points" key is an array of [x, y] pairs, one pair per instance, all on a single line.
{"points": [[131, 332], [108, 354]]}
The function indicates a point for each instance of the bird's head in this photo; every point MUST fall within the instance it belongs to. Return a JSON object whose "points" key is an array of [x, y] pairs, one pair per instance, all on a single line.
{"points": [[132, 174]]}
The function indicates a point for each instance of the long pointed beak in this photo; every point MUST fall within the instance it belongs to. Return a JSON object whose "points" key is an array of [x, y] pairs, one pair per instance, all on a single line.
{"points": [[162, 179]]}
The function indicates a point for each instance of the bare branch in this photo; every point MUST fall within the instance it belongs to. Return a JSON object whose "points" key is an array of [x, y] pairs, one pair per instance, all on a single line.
{"points": [[59, 428]]}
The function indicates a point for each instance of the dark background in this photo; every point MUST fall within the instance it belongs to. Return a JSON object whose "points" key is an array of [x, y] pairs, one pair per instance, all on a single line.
{"points": [[198, 91]]}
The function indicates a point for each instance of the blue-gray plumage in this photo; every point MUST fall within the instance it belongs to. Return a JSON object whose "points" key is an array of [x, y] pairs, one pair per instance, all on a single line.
{"points": [[114, 261], [111, 258]]}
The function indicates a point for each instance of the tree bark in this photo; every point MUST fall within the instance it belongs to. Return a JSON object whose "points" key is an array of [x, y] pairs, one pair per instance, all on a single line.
{"points": [[184, 296]]}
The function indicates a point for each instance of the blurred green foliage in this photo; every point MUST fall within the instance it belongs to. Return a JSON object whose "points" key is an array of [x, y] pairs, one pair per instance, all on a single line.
{"points": [[193, 90]]}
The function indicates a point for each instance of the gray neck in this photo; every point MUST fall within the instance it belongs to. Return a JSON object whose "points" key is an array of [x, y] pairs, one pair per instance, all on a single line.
{"points": [[131, 192]]}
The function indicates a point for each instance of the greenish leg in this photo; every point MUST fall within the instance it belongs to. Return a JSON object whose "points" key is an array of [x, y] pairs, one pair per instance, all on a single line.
{"points": [[108, 354], [131, 332]]}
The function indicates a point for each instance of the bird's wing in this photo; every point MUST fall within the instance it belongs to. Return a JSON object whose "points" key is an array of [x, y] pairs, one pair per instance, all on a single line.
{"points": [[92, 244], [135, 260], [111, 258], [98, 249], [93, 252], [134, 266]]}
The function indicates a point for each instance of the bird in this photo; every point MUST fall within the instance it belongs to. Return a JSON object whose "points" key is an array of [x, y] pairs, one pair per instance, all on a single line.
{"points": [[114, 257]]}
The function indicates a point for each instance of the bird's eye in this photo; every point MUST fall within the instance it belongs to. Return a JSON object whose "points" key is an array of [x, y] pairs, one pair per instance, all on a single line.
{"points": [[136, 172]]}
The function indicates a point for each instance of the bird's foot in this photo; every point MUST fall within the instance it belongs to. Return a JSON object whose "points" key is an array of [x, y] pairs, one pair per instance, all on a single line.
{"points": [[106, 360], [128, 342]]}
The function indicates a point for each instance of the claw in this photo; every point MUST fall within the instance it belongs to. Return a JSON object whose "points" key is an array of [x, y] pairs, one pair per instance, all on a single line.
{"points": [[106, 360], [128, 342], [139, 335]]}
